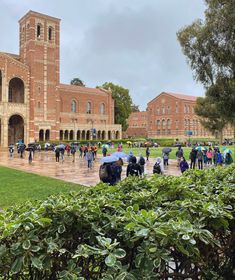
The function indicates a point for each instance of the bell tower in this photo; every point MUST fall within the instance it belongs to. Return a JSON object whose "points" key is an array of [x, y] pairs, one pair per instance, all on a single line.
{"points": [[40, 50]]}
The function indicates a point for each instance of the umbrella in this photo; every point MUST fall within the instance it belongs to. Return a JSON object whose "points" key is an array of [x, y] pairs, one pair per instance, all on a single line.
{"points": [[105, 146], [120, 155], [60, 147], [109, 159], [129, 142], [166, 150], [199, 148], [227, 151]]}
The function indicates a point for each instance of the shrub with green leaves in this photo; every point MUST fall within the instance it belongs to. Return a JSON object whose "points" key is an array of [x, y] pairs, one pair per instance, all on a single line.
{"points": [[162, 228]]}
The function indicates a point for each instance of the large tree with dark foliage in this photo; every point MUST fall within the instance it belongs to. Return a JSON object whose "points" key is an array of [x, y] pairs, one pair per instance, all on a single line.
{"points": [[210, 48]]}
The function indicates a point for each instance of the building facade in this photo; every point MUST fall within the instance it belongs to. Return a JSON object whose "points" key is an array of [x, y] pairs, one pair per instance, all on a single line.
{"points": [[137, 124], [34, 105], [171, 115]]}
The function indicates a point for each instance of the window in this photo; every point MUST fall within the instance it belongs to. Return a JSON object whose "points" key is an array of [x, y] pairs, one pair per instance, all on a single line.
{"points": [[168, 109], [88, 108], [102, 108], [158, 123], [176, 108], [163, 110], [163, 123], [50, 33], [10, 95], [185, 109], [74, 106], [38, 31], [168, 123]]}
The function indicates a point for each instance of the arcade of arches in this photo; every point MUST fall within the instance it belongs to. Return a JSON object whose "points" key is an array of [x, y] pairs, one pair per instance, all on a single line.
{"points": [[44, 135]]}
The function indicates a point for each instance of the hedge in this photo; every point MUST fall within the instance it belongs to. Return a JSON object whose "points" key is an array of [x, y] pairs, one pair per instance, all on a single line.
{"points": [[161, 228]]}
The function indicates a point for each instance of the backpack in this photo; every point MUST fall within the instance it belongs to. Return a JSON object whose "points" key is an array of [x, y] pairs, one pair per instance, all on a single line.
{"points": [[142, 161], [103, 172], [157, 168], [133, 169]]}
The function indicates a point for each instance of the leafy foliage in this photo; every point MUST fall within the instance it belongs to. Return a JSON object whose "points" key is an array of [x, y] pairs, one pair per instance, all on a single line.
{"points": [[162, 228], [122, 103], [77, 82], [209, 47]]}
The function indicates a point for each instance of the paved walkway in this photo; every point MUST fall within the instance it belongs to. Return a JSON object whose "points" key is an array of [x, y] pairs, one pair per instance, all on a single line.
{"points": [[44, 164]]}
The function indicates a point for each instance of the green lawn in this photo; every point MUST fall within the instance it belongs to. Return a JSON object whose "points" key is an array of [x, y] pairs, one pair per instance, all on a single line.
{"points": [[17, 187], [157, 152]]}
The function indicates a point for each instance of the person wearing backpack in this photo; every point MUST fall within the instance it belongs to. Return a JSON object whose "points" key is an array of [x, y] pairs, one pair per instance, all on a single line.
{"points": [[179, 154], [107, 173], [200, 159], [73, 151], [158, 167], [165, 159], [192, 157], [133, 168], [104, 151], [141, 162]]}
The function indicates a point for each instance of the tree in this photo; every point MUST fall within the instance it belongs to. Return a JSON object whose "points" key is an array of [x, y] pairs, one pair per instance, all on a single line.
{"points": [[122, 103], [210, 48], [135, 108], [209, 116], [77, 82]]}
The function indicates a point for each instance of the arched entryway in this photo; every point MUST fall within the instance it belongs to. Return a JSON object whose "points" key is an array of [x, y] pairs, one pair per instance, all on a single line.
{"points": [[16, 91], [41, 135], [66, 135], [109, 135], [99, 135], [47, 135], [78, 135], [88, 135], [61, 134], [15, 129], [71, 135], [117, 135], [103, 135], [83, 135]]}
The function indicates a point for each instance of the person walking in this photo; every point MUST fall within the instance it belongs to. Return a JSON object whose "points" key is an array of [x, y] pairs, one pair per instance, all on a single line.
{"points": [[11, 151], [133, 168], [89, 158], [183, 165], [192, 157], [73, 152], [104, 151], [209, 155], [141, 162], [62, 155], [165, 159], [117, 170], [228, 159], [179, 154], [147, 153], [200, 159], [57, 155]]}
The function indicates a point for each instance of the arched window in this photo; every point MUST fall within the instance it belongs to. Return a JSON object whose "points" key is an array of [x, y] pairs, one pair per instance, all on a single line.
{"points": [[73, 106], [158, 123], [88, 108], [163, 110], [50, 30], [163, 123], [168, 123], [39, 31], [102, 108]]}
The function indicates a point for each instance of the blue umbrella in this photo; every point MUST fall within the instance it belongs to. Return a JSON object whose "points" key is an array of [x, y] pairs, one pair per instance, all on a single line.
{"points": [[109, 159], [120, 155]]}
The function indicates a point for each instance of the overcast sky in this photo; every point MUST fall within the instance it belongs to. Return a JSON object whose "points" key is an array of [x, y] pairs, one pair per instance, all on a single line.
{"points": [[128, 42]]}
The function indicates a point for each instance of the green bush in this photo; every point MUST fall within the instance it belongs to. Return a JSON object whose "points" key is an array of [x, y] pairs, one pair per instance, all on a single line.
{"points": [[162, 228]]}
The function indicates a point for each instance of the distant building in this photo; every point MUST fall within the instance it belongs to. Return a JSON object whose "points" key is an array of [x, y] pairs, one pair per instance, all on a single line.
{"points": [[137, 122], [34, 105], [171, 115]]}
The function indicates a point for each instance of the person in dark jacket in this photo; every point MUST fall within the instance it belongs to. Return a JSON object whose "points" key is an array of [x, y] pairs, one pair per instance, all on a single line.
{"points": [[183, 165], [133, 168], [192, 157], [147, 153]]}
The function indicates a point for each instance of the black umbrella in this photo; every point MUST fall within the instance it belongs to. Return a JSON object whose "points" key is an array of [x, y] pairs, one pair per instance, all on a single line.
{"points": [[166, 150]]}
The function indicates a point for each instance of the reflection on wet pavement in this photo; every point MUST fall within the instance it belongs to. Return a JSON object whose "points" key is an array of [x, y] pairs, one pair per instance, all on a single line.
{"points": [[76, 172]]}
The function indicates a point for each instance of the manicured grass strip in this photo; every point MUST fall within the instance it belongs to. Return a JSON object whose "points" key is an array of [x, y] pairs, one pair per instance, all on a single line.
{"points": [[17, 187]]}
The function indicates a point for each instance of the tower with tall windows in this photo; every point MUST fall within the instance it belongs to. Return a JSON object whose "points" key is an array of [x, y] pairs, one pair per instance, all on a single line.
{"points": [[40, 51], [34, 105]]}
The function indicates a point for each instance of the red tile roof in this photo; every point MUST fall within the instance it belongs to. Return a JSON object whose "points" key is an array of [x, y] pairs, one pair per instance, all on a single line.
{"points": [[82, 89]]}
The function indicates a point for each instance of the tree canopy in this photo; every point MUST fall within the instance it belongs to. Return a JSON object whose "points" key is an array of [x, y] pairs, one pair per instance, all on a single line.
{"points": [[210, 49], [122, 103], [77, 82]]}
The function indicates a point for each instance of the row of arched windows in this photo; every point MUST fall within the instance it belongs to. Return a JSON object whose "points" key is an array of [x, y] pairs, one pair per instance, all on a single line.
{"points": [[39, 33], [89, 108]]}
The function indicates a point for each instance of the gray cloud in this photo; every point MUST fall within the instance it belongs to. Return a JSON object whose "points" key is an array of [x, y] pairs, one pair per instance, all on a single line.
{"points": [[129, 42]]}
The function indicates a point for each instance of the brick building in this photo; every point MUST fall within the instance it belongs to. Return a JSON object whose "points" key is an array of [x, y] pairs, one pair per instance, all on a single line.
{"points": [[171, 115], [137, 124], [33, 102]]}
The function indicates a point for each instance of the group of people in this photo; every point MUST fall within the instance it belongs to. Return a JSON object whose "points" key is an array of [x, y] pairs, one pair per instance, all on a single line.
{"points": [[201, 156]]}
